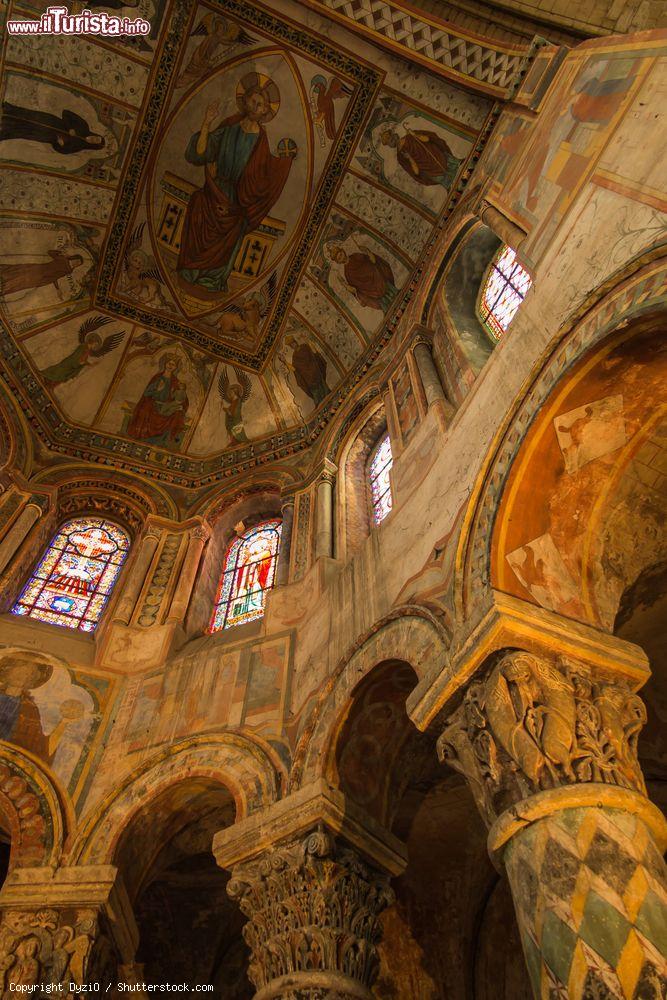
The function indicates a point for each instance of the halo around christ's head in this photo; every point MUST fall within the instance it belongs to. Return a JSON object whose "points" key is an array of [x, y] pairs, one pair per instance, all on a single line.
{"points": [[253, 82]]}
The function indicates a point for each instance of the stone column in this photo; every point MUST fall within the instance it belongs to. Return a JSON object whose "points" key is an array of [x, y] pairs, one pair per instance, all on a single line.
{"points": [[198, 537], [549, 750], [62, 926], [282, 573], [312, 881], [430, 380], [324, 524], [138, 570], [18, 532]]}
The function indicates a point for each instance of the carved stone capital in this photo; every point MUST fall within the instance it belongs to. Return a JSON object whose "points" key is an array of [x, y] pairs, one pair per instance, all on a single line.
{"points": [[54, 947], [67, 925], [533, 724], [313, 906]]}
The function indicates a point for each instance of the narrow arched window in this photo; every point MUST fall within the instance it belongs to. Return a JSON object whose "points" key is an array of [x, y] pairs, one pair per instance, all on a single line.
{"points": [[74, 579], [248, 575], [504, 288], [378, 469]]}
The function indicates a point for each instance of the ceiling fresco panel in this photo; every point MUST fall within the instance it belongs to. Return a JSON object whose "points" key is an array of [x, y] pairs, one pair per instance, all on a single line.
{"points": [[206, 232]]}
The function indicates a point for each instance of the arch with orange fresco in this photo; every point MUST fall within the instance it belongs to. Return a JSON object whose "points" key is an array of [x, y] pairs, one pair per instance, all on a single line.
{"points": [[628, 297], [411, 635], [243, 762], [37, 812]]}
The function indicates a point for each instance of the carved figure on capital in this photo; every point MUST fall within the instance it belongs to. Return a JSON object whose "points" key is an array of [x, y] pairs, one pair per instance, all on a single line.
{"points": [[45, 947], [532, 724]]}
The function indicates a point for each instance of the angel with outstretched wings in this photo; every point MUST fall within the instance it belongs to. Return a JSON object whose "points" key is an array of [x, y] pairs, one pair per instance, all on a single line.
{"points": [[252, 310], [218, 33], [91, 347], [141, 275], [233, 396], [322, 97]]}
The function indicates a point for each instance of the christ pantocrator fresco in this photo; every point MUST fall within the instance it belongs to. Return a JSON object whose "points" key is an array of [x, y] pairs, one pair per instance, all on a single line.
{"points": [[243, 180]]}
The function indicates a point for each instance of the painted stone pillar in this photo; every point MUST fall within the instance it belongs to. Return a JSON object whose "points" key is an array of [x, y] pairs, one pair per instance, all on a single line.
{"points": [[430, 380], [198, 537], [313, 880], [282, 573], [68, 925], [18, 532], [324, 526], [138, 570], [549, 750]]}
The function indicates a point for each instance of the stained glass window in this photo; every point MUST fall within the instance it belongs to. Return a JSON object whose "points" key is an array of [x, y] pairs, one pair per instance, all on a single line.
{"points": [[250, 567], [381, 463], [503, 290], [76, 575]]}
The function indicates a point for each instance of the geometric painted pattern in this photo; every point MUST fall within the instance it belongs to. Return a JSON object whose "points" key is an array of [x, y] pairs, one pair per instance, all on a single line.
{"points": [[590, 891], [485, 63]]}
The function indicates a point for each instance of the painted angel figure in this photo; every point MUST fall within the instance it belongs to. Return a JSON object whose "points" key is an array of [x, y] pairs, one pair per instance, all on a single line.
{"points": [[233, 396], [90, 349], [141, 276], [218, 34], [246, 317], [322, 98]]}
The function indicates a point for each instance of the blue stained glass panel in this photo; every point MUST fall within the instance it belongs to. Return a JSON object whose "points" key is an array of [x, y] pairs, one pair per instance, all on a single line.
{"points": [[74, 578]]}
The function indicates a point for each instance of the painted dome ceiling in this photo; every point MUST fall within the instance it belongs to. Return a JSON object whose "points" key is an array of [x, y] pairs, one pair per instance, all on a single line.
{"points": [[206, 234]]}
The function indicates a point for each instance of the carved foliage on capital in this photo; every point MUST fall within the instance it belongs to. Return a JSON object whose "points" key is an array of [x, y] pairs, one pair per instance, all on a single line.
{"points": [[50, 946], [533, 725], [313, 906]]}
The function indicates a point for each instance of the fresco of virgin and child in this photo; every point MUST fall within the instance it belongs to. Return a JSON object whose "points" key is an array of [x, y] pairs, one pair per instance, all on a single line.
{"points": [[243, 180]]}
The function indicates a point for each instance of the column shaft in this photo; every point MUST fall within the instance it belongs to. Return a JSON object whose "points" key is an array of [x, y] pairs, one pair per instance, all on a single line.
{"points": [[324, 532], [183, 592], [18, 532], [135, 582], [282, 573]]}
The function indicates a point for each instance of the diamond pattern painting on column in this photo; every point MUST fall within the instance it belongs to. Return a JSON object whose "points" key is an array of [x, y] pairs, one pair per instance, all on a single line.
{"points": [[590, 904]]}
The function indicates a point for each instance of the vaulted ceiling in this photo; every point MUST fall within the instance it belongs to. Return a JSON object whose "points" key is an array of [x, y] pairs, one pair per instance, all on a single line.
{"points": [[208, 233]]}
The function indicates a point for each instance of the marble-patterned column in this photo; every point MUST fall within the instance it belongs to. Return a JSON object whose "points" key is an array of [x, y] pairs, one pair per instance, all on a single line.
{"points": [[311, 874], [282, 572], [18, 532], [549, 750]]}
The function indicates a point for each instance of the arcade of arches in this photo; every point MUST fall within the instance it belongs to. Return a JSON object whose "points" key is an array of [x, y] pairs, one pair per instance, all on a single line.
{"points": [[333, 475]]}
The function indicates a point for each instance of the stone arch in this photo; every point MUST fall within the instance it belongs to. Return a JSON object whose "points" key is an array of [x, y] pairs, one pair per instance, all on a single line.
{"points": [[629, 297], [353, 501], [245, 764], [410, 635], [37, 814]]}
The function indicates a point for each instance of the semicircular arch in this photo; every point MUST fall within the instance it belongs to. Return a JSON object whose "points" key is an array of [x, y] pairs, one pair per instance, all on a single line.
{"points": [[411, 635], [244, 763]]}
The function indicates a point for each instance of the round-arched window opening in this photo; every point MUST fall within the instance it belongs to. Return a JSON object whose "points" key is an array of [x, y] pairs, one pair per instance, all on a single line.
{"points": [[72, 582], [504, 287], [248, 574], [379, 481]]}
